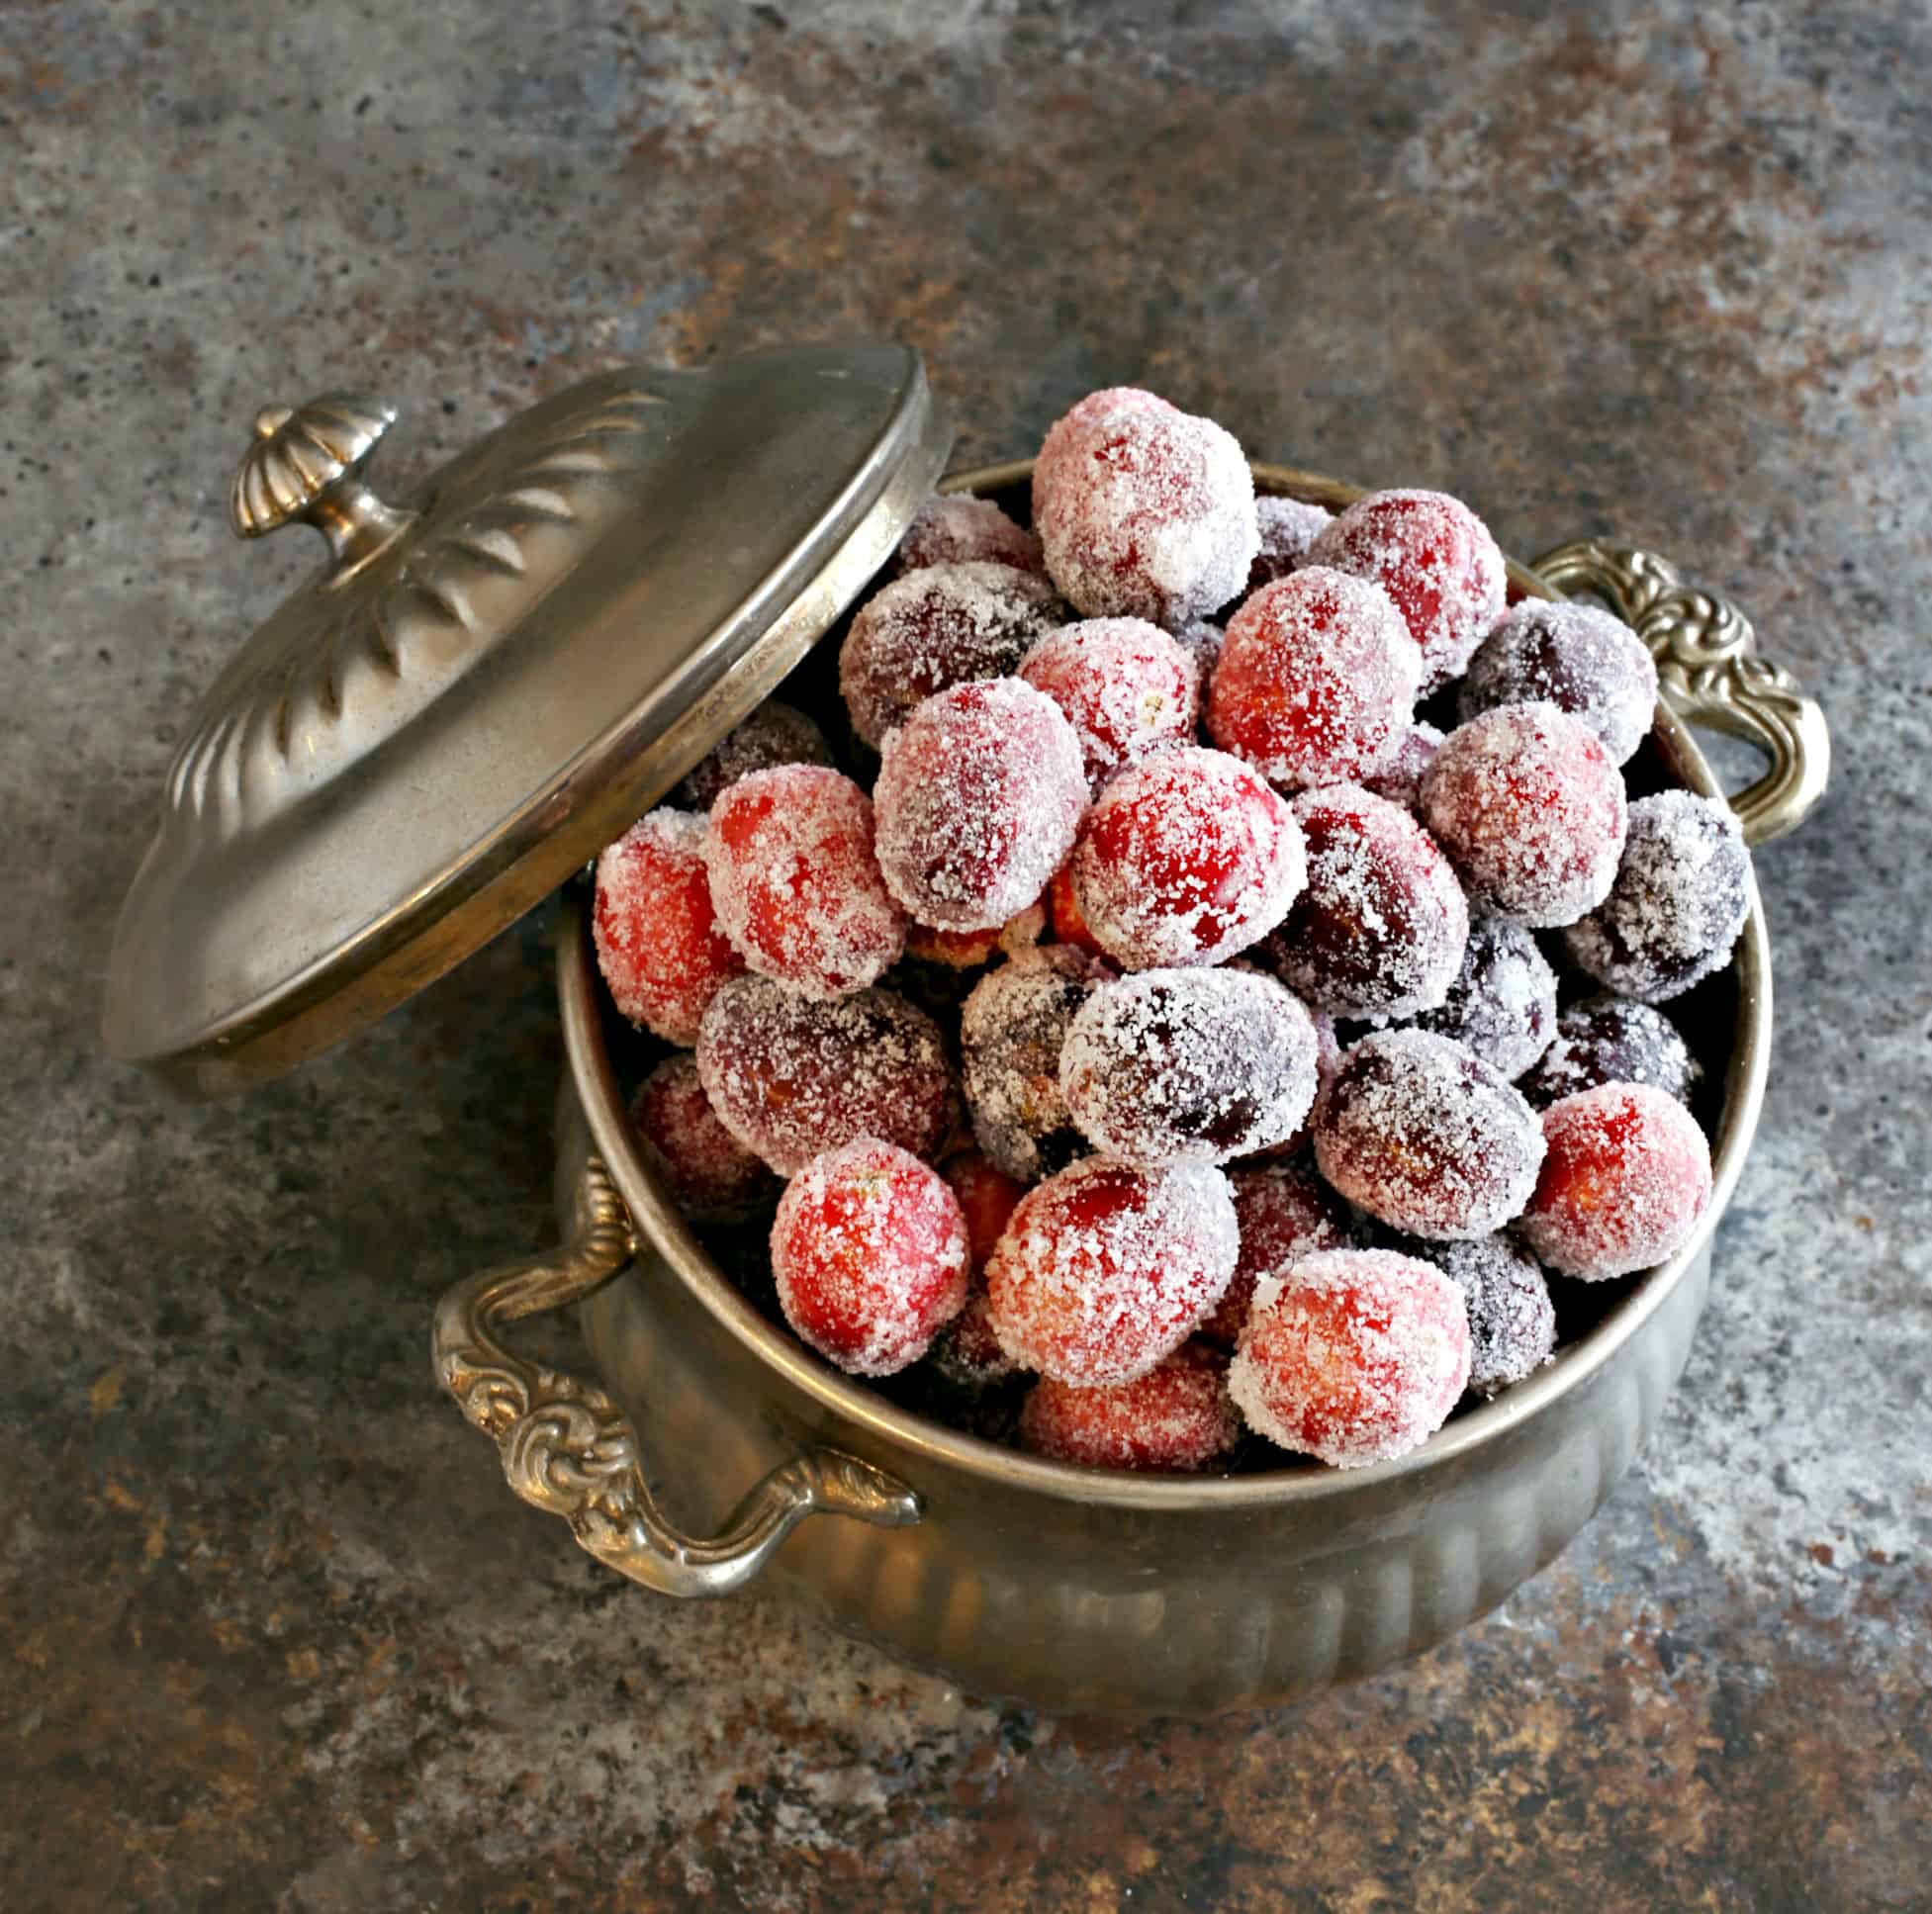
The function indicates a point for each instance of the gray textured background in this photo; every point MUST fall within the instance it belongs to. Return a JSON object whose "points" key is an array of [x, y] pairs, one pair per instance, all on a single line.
{"points": [[276, 1636]]}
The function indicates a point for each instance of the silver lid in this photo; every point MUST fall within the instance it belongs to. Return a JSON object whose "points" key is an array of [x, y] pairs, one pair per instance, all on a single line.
{"points": [[489, 680]]}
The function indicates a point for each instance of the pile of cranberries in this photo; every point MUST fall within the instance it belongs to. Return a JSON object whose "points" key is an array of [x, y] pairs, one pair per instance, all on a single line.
{"points": [[1148, 1041]]}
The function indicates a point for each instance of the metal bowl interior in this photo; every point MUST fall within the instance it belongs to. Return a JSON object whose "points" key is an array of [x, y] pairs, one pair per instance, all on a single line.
{"points": [[900, 1431]]}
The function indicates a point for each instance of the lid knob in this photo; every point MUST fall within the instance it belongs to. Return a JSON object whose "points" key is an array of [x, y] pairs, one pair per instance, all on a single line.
{"points": [[305, 467]]}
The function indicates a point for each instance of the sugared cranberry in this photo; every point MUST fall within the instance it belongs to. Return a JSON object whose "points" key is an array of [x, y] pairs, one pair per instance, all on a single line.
{"points": [[968, 1353], [988, 1199], [1379, 930], [1681, 893], [1284, 1212], [705, 1170], [1434, 558], [1175, 1418], [1400, 780], [1577, 657], [658, 941], [1063, 914], [1610, 1039], [789, 1076], [980, 794], [868, 1254], [1103, 1270], [1011, 1033], [1144, 510], [1512, 1319], [1288, 527], [773, 734], [1626, 1177], [1126, 687], [945, 625], [1186, 858], [795, 881], [1503, 1002], [1316, 679], [1528, 804], [1352, 1355], [1426, 1136], [1188, 1066], [959, 530]]}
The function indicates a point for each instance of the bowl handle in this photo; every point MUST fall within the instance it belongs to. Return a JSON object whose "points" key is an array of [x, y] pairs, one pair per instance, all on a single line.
{"points": [[1709, 674], [565, 1447]]}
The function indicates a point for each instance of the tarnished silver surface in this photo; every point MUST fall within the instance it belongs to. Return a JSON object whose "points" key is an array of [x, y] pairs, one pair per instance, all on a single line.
{"points": [[1709, 673], [490, 679], [1114, 1593]]}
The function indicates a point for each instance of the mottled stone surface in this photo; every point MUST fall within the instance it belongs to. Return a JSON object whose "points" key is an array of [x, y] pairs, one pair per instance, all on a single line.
{"points": [[276, 1636]]}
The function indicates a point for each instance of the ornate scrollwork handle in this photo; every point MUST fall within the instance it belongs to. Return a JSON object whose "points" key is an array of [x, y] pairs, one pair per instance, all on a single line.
{"points": [[565, 1447], [1709, 674]]}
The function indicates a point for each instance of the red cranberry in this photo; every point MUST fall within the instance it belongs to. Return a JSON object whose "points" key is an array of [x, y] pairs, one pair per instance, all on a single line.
{"points": [[1185, 858], [1175, 1418], [658, 941], [1625, 1178], [1144, 510], [1316, 679], [1352, 1355], [868, 1254]]}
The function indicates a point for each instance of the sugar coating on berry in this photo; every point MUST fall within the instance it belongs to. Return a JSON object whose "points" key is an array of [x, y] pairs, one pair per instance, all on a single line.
{"points": [[868, 1254], [1613, 1039], [1284, 1212], [1126, 687], [790, 1076], [773, 734], [1287, 528], [1063, 914], [955, 529], [1011, 1033], [1379, 930], [1144, 510], [796, 882], [1186, 858], [1316, 679], [1174, 1419], [1104, 1270], [1681, 893], [1354, 1356], [1626, 1177], [944, 625], [1512, 1319], [1503, 1002], [705, 1170], [1188, 1066], [1426, 1136], [1577, 657], [1434, 558], [979, 795], [1528, 804], [1399, 779], [659, 944]]}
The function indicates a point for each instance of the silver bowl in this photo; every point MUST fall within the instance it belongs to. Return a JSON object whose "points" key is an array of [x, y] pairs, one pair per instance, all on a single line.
{"points": [[1073, 1588]]}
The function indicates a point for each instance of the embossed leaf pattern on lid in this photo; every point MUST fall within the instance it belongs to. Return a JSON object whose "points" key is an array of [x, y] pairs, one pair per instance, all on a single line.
{"points": [[354, 657]]}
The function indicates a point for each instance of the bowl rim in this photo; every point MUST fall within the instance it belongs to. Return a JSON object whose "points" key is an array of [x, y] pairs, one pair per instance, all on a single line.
{"points": [[901, 1435]]}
